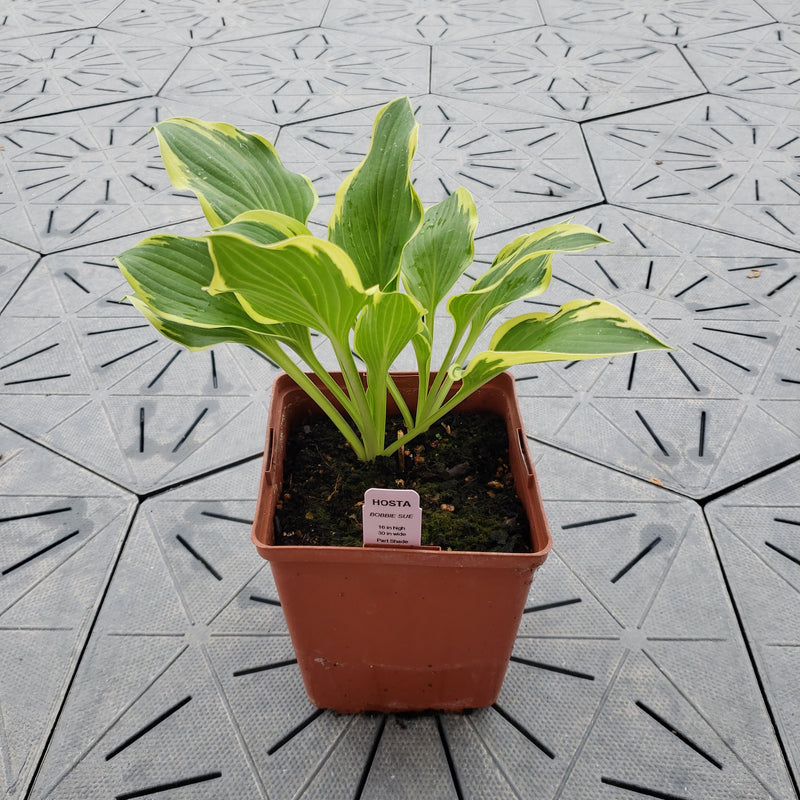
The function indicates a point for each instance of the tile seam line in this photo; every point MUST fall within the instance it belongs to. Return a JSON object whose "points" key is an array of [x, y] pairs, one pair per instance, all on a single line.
{"points": [[50, 449], [110, 13], [682, 47], [83, 246], [140, 496], [312, 120], [593, 163], [31, 250], [324, 14], [645, 213], [740, 484], [70, 682], [775, 20], [703, 716], [553, 218], [751, 657], [762, 242], [628, 112], [13, 39], [79, 109], [18, 289], [562, 449], [757, 26], [701, 501], [157, 93]]}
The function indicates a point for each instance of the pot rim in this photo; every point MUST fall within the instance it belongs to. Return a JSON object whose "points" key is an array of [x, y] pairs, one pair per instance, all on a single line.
{"points": [[500, 390]]}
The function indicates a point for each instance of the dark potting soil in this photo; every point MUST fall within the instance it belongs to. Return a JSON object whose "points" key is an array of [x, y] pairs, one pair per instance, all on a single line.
{"points": [[459, 468]]}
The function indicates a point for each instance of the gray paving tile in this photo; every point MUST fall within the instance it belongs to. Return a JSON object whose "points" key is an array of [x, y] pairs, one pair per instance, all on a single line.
{"points": [[23, 18], [630, 676], [782, 10], [629, 670], [515, 164], [61, 530], [757, 531], [677, 645], [56, 72], [419, 21], [15, 264], [87, 376], [674, 20], [759, 64], [560, 72], [300, 75], [194, 23], [717, 408], [722, 163], [84, 176]]}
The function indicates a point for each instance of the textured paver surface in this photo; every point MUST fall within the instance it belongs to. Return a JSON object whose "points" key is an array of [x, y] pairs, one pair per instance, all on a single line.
{"points": [[143, 652]]}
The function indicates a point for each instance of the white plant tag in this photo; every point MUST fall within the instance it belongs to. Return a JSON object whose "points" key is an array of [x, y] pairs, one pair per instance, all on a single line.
{"points": [[392, 516]]}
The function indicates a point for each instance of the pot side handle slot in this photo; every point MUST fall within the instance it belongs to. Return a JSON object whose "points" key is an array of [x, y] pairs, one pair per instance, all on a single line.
{"points": [[269, 472], [523, 449]]}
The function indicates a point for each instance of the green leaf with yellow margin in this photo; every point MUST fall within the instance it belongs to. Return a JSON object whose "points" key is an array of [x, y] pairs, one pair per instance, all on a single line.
{"points": [[579, 330], [521, 269], [377, 209], [231, 171], [383, 329], [441, 250], [194, 337], [303, 280], [170, 273]]}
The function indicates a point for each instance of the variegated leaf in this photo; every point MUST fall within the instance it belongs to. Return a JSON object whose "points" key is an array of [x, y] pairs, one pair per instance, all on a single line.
{"points": [[579, 330], [377, 209], [303, 280], [231, 171]]}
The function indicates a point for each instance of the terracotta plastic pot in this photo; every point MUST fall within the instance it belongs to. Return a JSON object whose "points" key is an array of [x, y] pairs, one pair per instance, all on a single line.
{"points": [[388, 628]]}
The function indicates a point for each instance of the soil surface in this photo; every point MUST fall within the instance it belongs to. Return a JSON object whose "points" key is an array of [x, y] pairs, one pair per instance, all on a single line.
{"points": [[459, 468]]}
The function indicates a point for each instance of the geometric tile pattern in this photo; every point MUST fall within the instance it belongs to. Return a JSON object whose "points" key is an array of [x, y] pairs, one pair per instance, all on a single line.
{"points": [[142, 652], [57, 72], [722, 163], [724, 403], [84, 176], [563, 73], [300, 75], [609, 689], [15, 264], [24, 18], [61, 530], [757, 531], [782, 10], [670, 21], [190, 22], [758, 64], [94, 381], [517, 166], [420, 21]]}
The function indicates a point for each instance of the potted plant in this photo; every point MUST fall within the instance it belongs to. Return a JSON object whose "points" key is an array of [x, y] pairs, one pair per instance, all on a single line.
{"points": [[376, 627]]}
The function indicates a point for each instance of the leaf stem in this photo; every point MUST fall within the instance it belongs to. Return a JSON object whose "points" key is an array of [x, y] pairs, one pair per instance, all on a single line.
{"points": [[275, 352], [402, 406], [363, 413]]}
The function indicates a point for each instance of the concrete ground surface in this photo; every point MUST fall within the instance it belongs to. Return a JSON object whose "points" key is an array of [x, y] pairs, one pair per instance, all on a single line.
{"points": [[142, 649]]}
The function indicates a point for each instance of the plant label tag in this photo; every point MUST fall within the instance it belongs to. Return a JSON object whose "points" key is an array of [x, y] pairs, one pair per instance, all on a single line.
{"points": [[392, 516]]}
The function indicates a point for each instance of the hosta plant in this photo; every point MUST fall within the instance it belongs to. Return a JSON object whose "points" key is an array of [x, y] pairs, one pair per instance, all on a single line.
{"points": [[259, 277]]}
